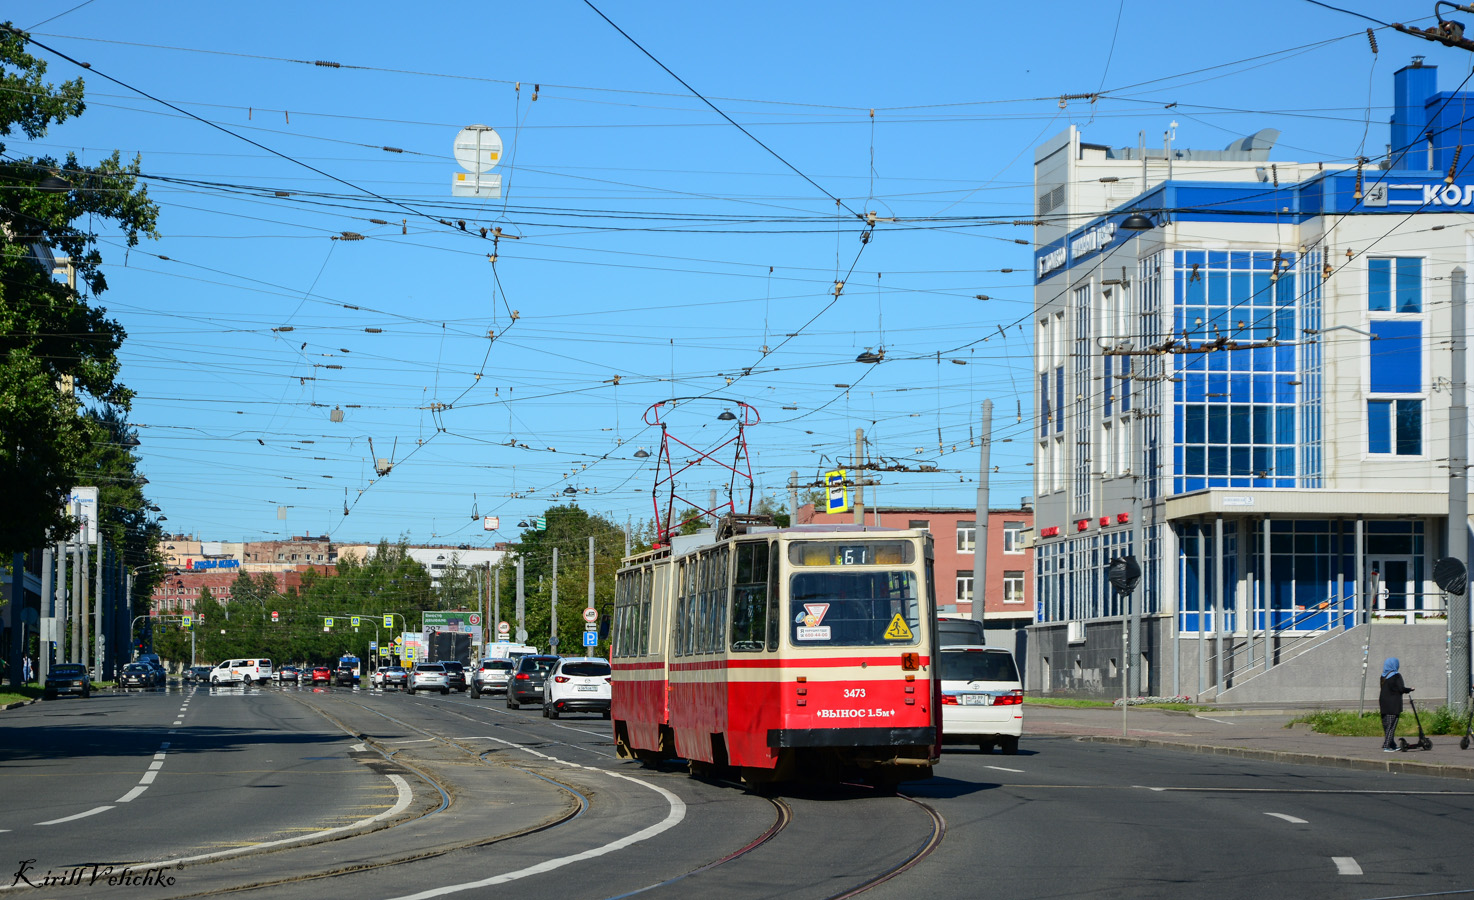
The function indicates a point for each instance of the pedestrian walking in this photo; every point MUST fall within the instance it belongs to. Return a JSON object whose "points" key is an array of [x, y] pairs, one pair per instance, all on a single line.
{"points": [[27, 670], [1390, 701]]}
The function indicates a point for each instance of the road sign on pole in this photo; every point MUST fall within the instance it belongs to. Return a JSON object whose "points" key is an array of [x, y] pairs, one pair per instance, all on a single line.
{"points": [[590, 615], [275, 616], [590, 639]]}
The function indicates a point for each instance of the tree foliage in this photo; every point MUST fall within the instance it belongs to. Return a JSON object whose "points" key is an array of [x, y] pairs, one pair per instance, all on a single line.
{"points": [[569, 529], [58, 348]]}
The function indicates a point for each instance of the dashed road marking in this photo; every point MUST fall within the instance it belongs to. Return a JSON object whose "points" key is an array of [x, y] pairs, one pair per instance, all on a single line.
{"points": [[1346, 865], [1288, 818], [1003, 769]]}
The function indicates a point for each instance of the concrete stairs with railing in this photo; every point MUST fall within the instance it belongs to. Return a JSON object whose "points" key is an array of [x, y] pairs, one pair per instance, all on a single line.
{"points": [[1326, 667]]}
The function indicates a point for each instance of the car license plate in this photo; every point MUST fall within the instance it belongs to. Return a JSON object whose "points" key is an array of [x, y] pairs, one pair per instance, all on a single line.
{"points": [[587, 687], [977, 700]]}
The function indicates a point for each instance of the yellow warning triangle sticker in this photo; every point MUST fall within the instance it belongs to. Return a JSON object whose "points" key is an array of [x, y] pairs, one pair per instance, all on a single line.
{"points": [[898, 630]]}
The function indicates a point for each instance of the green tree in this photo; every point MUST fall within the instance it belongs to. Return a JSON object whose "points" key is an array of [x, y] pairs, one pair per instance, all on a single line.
{"points": [[56, 347], [569, 529]]}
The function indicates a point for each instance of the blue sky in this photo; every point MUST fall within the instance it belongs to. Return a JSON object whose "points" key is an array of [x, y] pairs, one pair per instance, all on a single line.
{"points": [[659, 244]]}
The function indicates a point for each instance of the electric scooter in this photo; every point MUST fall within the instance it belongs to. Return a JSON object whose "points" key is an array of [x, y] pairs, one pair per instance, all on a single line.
{"points": [[1423, 743]]}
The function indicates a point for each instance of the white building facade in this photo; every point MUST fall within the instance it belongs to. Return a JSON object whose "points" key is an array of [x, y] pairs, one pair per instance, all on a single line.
{"points": [[1242, 380]]}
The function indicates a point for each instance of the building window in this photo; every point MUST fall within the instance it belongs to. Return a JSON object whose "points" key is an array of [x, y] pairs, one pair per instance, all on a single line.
{"points": [[967, 535], [280, 557], [1395, 285], [964, 586], [922, 524], [1395, 427], [1013, 587], [1013, 537]]}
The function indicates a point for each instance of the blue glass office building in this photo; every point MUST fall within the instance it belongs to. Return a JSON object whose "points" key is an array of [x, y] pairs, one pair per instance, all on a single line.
{"points": [[1242, 380]]}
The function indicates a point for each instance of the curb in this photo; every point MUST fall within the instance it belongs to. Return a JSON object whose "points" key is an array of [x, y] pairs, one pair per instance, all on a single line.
{"points": [[17, 704], [1394, 766]]}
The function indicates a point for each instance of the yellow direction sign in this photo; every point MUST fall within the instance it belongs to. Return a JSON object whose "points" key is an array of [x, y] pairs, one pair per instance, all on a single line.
{"points": [[898, 630], [837, 496]]}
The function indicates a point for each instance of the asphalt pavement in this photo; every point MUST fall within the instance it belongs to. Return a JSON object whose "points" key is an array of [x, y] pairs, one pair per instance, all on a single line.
{"points": [[1251, 733]]}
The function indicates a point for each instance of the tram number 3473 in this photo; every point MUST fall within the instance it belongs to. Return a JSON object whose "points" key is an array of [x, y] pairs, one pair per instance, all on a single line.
{"points": [[854, 692]]}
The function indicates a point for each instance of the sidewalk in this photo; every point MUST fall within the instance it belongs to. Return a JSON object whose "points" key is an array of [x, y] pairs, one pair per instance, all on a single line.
{"points": [[1257, 733]]}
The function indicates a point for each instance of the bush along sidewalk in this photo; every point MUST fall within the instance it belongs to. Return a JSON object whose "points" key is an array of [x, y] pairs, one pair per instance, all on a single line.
{"points": [[1345, 723]]}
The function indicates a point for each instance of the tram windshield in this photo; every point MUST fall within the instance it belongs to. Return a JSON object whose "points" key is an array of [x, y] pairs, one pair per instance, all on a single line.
{"points": [[834, 608]]}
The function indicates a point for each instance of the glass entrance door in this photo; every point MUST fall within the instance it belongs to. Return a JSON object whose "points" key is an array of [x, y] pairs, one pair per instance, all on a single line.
{"points": [[1396, 592]]}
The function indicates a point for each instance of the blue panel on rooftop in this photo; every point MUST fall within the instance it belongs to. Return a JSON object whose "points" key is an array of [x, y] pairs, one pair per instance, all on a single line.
{"points": [[1396, 357]]}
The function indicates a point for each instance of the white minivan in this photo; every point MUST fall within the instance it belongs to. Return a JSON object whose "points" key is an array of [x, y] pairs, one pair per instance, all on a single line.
{"points": [[982, 698], [241, 671]]}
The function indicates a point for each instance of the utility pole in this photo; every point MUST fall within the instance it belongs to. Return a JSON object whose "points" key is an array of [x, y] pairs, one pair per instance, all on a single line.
{"points": [[859, 476], [591, 571], [521, 605], [496, 609], [553, 619], [98, 644], [78, 611], [1458, 497], [17, 626], [980, 527], [793, 497]]}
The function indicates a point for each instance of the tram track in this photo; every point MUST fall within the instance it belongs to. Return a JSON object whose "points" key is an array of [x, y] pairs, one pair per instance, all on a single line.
{"points": [[446, 801]]}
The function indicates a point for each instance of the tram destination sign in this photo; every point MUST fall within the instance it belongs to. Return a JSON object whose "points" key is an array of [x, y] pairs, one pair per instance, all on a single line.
{"points": [[844, 553]]}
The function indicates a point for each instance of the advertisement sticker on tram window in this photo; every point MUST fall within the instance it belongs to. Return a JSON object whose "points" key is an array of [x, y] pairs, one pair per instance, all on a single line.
{"points": [[813, 633], [898, 630], [814, 614]]}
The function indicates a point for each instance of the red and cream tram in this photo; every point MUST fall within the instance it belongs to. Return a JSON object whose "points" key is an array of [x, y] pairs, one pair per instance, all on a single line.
{"points": [[794, 653]]}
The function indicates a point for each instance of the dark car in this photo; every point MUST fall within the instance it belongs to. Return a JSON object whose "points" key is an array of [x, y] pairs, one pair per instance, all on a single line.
{"points": [[67, 678], [321, 675], [138, 675], [290, 673], [455, 675], [526, 686], [199, 674]]}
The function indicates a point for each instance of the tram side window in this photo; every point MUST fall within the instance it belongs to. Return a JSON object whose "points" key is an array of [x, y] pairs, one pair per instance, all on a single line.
{"points": [[647, 585], [693, 605], [750, 599], [678, 621], [621, 582], [774, 618]]}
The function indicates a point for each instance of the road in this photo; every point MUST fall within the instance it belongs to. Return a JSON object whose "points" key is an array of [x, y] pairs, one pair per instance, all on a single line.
{"points": [[272, 790]]}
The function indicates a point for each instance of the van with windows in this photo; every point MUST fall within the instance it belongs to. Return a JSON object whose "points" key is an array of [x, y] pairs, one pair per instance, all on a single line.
{"points": [[956, 631], [982, 698], [241, 671]]}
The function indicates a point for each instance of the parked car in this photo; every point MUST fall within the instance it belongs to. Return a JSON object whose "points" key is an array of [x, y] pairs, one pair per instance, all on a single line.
{"points": [[455, 675], [982, 698], [577, 684], [428, 677], [491, 676], [140, 676], [196, 674], [322, 675], [241, 671], [526, 684], [288, 673], [954, 631], [67, 678], [385, 677]]}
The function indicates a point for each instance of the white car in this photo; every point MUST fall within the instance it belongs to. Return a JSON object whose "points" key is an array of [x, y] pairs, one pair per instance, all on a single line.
{"points": [[490, 676], [241, 671], [982, 698], [577, 684]]}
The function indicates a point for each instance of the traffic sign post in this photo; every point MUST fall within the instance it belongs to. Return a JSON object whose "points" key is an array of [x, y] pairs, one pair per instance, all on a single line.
{"points": [[590, 638], [591, 615]]}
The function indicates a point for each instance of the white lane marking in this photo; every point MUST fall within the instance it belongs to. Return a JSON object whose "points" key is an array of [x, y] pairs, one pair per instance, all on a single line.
{"points": [[1346, 865], [177, 722], [159, 755], [672, 819], [90, 812], [415, 741], [357, 748], [405, 796], [1219, 721], [1288, 818], [149, 776], [1002, 769], [156, 765], [133, 794]]}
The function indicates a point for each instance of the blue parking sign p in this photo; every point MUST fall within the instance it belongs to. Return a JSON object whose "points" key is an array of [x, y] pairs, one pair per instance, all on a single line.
{"points": [[590, 639]]}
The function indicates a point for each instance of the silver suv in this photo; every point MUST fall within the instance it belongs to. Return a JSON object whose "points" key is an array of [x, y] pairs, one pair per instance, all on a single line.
{"points": [[491, 676], [427, 677]]}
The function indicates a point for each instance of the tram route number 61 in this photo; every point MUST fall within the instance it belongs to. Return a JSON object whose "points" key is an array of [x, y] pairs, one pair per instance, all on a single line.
{"points": [[856, 555], [852, 693]]}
